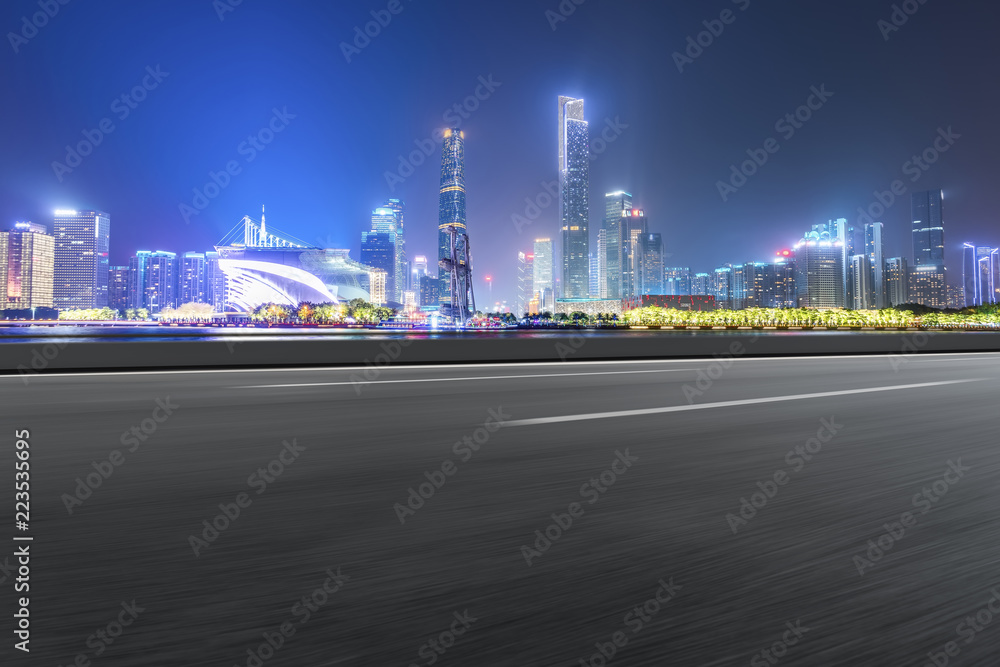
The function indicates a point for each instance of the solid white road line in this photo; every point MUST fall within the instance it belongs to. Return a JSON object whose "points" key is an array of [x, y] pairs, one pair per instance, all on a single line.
{"points": [[455, 379], [722, 404]]}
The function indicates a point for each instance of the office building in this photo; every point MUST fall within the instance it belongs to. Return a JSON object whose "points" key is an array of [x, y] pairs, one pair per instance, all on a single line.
{"points": [[928, 276], [652, 265], [602, 265], [862, 289], [897, 281], [80, 274], [677, 281], [27, 263], [389, 220], [701, 285], [216, 282], [633, 233], [451, 203], [574, 200], [594, 275], [980, 280], [162, 273], [875, 251], [819, 269], [118, 288], [402, 270], [544, 269], [193, 286], [378, 251], [616, 205], [525, 282], [721, 286]]}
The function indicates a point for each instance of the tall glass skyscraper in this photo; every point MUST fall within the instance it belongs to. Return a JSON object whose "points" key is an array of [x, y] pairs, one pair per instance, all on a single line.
{"points": [[615, 205], [574, 200], [81, 259], [192, 287], [27, 257], [875, 251], [928, 276], [980, 274], [451, 203], [819, 268], [402, 270], [897, 281], [544, 277]]}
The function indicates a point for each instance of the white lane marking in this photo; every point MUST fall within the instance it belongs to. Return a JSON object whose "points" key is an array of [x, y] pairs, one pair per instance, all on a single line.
{"points": [[457, 379], [698, 361], [723, 404]]}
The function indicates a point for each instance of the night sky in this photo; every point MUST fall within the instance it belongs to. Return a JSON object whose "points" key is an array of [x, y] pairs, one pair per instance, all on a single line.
{"points": [[325, 170]]}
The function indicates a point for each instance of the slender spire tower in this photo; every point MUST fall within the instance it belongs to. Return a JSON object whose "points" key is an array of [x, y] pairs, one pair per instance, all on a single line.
{"points": [[451, 204]]}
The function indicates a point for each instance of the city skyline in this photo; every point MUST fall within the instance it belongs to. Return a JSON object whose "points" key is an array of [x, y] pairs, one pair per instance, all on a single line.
{"points": [[683, 131]]}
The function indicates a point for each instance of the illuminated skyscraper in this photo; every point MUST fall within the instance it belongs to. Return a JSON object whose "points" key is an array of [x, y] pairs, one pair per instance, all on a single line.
{"points": [[678, 281], [602, 265], [81, 259], [819, 269], [118, 288], [162, 272], [192, 287], [862, 290], [451, 203], [525, 282], [897, 281], [27, 260], [543, 274], [875, 251], [378, 251], [980, 274], [652, 265], [615, 204], [574, 200], [701, 285], [633, 232], [402, 272], [383, 234], [928, 277], [216, 282]]}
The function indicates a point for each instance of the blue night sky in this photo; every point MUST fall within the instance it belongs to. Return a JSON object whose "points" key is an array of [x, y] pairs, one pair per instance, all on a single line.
{"points": [[324, 171]]}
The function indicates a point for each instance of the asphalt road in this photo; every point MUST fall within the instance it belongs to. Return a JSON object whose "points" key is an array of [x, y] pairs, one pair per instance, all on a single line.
{"points": [[643, 463]]}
